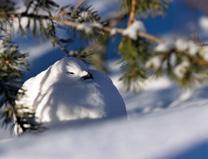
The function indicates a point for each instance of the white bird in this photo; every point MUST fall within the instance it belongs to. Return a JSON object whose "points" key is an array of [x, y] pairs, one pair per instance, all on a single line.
{"points": [[71, 90]]}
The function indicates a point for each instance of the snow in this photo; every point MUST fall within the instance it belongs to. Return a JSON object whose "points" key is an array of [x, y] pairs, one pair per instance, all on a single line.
{"points": [[193, 48], [171, 134], [87, 28], [133, 29], [187, 45], [181, 44], [203, 23], [154, 63], [165, 46], [204, 53], [181, 69]]}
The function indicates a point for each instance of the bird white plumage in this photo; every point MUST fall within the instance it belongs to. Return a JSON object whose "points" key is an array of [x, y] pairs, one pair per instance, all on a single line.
{"points": [[70, 90]]}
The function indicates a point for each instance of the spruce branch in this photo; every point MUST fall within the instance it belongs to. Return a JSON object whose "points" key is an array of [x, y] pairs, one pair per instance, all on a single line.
{"points": [[12, 65], [94, 26]]}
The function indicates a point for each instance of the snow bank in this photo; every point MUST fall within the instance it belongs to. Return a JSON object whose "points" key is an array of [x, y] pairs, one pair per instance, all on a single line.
{"points": [[172, 134]]}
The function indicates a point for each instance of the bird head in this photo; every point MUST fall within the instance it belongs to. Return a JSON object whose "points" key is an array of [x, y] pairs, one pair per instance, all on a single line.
{"points": [[77, 69]]}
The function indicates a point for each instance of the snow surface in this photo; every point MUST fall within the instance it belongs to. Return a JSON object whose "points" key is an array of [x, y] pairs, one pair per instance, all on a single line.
{"points": [[169, 134]]}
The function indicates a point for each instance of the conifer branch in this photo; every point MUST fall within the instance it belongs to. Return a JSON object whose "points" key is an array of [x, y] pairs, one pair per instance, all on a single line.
{"points": [[111, 30], [58, 19]]}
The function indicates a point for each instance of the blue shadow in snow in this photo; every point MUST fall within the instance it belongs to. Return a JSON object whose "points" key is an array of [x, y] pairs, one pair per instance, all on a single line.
{"points": [[199, 151], [201, 93], [155, 99]]}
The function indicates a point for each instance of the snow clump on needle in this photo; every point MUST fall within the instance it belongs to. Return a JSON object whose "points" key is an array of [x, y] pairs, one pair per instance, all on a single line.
{"points": [[132, 30], [203, 23], [165, 46], [154, 63], [86, 27], [181, 69], [204, 53], [188, 46]]}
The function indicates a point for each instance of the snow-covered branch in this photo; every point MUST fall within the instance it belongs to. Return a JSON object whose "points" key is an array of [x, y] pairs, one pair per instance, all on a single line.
{"points": [[133, 31]]}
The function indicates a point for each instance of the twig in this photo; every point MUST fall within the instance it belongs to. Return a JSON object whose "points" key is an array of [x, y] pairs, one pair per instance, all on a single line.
{"points": [[113, 30], [133, 12]]}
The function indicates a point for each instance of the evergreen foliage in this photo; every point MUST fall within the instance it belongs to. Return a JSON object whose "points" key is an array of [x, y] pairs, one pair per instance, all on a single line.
{"points": [[12, 65], [148, 7]]}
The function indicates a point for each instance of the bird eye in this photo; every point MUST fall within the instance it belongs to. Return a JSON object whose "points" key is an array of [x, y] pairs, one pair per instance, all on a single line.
{"points": [[71, 73]]}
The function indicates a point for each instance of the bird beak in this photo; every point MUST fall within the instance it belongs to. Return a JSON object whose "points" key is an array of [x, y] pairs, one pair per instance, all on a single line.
{"points": [[87, 76]]}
